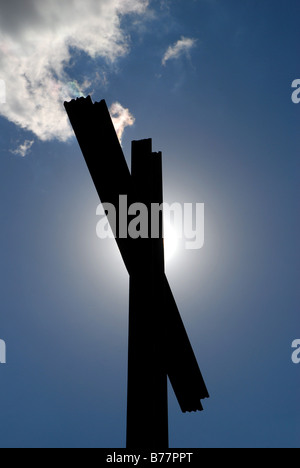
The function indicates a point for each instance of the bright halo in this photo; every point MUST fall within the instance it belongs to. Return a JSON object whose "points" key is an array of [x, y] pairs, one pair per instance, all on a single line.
{"points": [[170, 241]]}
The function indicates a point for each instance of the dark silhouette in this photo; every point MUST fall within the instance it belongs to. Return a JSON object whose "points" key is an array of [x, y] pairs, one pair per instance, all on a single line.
{"points": [[158, 342]]}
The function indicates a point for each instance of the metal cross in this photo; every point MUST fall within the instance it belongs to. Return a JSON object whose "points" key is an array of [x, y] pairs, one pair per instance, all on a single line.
{"points": [[158, 343]]}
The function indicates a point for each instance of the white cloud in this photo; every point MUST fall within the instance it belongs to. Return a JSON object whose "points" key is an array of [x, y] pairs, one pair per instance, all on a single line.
{"points": [[23, 149], [183, 46], [121, 118], [35, 41]]}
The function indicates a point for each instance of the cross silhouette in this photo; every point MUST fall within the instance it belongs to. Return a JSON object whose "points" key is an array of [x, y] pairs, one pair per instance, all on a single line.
{"points": [[158, 343]]}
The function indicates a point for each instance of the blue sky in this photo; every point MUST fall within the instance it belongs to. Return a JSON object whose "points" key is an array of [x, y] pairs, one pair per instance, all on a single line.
{"points": [[220, 110]]}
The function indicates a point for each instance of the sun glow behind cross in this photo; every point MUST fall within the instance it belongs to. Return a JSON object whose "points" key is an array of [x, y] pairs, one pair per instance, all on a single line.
{"points": [[171, 241]]}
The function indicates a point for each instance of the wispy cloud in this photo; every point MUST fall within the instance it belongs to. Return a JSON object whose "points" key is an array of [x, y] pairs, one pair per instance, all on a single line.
{"points": [[181, 47], [23, 149], [121, 118], [36, 39]]}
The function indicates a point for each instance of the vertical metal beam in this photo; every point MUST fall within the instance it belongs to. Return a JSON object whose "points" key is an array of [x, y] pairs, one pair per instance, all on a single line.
{"points": [[147, 412]]}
